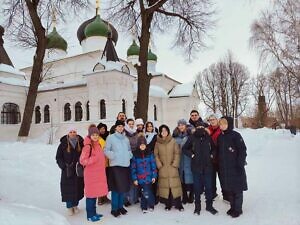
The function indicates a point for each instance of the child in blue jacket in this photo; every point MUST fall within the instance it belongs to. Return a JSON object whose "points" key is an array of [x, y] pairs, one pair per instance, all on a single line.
{"points": [[144, 173]]}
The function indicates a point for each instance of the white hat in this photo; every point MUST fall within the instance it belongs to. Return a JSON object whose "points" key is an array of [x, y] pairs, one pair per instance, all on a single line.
{"points": [[139, 121], [72, 129]]}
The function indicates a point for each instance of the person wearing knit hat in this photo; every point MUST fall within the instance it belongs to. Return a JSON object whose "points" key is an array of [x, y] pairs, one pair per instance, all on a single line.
{"points": [[181, 134], [95, 183], [118, 151], [67, 155], [144, 173], [139, 123]]}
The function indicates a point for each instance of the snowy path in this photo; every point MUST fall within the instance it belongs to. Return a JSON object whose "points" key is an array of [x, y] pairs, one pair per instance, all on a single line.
{"points": [[29, 188]]}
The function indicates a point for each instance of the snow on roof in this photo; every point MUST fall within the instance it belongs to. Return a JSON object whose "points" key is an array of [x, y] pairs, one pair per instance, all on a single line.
{"points": [[182, 90], [10, 69], [14, 81], [154, 91], [48, 87]]}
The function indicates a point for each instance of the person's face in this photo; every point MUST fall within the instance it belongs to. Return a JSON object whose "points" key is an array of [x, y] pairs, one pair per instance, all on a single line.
{"points": [[149, 127], [95, 137], [72, 134], [182, 128], [195, 116], [213, 121], [102, 130], [223, 125], [140, 127], [122, 117], [142, 147], [120, 129], [164, 132], [131, 124]]}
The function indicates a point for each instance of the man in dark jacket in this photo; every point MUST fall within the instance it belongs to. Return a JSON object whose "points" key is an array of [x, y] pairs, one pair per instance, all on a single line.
{"points": [[122, 117], [199, 148], [68, 153], [196, 119], [232, 158]]}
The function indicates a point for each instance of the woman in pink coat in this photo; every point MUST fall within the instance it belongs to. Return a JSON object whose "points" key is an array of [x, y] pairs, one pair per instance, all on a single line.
{"points": [[95, 184]]}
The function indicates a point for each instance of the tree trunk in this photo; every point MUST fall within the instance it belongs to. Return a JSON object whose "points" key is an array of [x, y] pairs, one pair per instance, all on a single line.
{"points": [[37, 68], [142, 70]]}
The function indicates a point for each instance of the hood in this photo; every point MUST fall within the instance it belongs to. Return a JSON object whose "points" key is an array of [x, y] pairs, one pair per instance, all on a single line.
{"points": [[164, 141], [87, 141], [177, 133], [229, 121]]}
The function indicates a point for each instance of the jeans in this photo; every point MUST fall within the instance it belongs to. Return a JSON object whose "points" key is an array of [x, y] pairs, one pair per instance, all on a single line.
{"points": [[71, 204], [117, 200], [202, 181], [147, 199], [90, 207]]}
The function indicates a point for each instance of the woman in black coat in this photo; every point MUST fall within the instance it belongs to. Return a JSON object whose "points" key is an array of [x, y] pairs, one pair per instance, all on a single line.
{"points": [[71, 186], [232, 158]]}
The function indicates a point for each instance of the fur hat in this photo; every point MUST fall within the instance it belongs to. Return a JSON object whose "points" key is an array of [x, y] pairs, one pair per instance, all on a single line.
{"points": [[119, 122], [139, 121]]}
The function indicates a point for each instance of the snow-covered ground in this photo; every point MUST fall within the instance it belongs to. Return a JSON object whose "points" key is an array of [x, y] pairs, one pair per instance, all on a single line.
{"points": [[30, 194]]}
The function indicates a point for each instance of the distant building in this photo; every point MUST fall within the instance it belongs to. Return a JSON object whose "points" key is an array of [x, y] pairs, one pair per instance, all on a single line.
{"points": [[89, 87]]}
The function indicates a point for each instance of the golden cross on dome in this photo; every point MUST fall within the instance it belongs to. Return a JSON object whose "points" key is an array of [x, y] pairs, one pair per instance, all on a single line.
{"points": [[97, 7]]}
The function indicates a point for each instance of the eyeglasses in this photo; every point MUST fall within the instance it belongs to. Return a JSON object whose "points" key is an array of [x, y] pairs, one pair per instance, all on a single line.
{"points": [[212, 119]]}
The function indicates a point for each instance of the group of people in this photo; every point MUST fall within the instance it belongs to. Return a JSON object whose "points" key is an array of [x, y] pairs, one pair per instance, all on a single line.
{"points": [[137, 162]]}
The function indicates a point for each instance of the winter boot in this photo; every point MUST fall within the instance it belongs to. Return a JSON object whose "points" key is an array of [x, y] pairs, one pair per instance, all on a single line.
{"points": [[76, 210], [115, 213], [93, 219], [123, 211], [235, 214], [197, 209], [70, 211], [210, 208], [230, 211], [191, 197]]}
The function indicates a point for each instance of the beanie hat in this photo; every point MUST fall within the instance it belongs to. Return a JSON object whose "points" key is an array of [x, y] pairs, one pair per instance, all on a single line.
{"points": [[141, 140], [181, 121], [119, 122], [72, 129], [93, 130], [139, 121]]}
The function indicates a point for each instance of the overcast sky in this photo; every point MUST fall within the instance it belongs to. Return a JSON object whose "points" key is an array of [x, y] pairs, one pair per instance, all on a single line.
{"points": [[231, 33]]}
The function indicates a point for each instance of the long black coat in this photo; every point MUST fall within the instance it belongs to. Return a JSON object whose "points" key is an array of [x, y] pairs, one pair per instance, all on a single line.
{"points": [[72, 187], [232, 158], [201, 147]]}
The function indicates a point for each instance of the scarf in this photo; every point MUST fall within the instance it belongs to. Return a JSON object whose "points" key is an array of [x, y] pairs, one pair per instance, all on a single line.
{"points": [[73, 142], [149, 136], [129, 130]]}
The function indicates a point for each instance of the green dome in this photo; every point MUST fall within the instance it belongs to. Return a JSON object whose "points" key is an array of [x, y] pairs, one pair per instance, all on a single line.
{"points": [[151, 56], [54, 40], [134, 49], [96, 28]]}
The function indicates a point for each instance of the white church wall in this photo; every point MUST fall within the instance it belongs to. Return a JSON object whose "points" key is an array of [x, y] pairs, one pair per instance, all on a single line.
{"points": [[163, 82]]}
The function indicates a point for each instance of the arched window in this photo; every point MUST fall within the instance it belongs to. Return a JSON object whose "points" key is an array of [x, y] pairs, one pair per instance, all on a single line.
{"points": [[46, 114], [134, 110], [67, 112], [102, 109], [78, 111], [37, 114], [123, 106], [10, 114], [88, 110], [155, 112]]}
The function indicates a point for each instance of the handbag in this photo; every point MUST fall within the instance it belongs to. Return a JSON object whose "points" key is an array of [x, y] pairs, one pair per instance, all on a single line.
{"points": [[80, 168]]}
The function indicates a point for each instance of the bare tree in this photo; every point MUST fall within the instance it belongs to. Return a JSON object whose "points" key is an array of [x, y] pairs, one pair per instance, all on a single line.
{"points": [[190, 19], [276, 35], [28, 22], [224, 87], [286, 94]]}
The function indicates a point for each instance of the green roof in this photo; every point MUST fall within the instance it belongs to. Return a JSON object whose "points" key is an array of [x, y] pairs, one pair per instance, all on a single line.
{"points": [[54, 40], [134, 49], [151, 56], [96, 28]]}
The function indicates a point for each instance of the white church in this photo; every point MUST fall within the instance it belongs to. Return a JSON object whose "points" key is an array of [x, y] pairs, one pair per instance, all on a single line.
{"points": [[90, 87]]}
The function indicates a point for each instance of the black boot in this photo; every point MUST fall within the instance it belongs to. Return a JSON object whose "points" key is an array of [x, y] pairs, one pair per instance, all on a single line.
{"points": [[210, 208], [191, 197], [197, 209], [235, 214], [184, 194], [230, 211]]}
